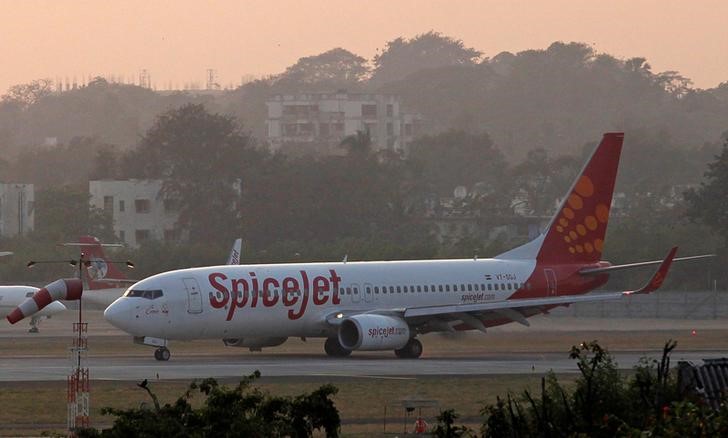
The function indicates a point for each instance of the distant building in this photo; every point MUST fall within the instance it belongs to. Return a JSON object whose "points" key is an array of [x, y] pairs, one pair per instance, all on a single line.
{"points": [[324, 119], [139, 210], [17, 202]]}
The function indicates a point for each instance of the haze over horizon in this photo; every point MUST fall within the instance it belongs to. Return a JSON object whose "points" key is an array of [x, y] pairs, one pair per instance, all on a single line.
{"points": [[177, 41]]}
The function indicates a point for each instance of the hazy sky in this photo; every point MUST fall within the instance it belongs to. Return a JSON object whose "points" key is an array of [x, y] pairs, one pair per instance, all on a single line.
{"points": [[176, 41]]}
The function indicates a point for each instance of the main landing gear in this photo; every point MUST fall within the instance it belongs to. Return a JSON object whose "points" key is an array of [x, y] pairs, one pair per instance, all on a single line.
{"points": [[162, 353], [333, 348], [411, 350]]}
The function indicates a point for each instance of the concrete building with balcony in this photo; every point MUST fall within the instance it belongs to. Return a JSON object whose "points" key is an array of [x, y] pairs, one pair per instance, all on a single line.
{"points": [[324, 119], [17, 205], [139, 210]]}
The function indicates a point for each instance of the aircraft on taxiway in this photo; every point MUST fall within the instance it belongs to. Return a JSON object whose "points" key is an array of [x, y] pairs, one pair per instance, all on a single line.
{"points": [[385, 305]]}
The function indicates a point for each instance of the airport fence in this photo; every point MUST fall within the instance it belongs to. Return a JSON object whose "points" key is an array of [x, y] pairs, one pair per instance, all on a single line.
{"points": [[661, 304]]}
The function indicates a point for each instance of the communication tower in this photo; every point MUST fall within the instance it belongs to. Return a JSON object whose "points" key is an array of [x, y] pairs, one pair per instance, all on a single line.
{"points": [[79, 383], [145, 81], [212, 80]]}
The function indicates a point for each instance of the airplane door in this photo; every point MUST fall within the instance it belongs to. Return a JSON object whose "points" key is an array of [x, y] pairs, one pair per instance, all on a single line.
{"points": [[355, 293], [369, 296], [194, 297], [550, 282]]}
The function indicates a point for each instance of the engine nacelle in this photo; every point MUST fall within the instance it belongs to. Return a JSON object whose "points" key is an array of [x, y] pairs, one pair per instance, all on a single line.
{"points": [[254, 344], [373, 332]]}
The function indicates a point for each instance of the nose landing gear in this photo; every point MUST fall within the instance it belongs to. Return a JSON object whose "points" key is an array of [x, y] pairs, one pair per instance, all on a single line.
{"points": [[162, 353]]}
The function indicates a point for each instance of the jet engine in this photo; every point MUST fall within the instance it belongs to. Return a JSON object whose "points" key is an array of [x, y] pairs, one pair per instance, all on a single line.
{"points": [[373, 332], [254, 344]]}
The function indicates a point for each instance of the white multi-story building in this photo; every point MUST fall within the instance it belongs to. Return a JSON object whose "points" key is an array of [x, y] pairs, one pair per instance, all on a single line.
{"points": [[138, 208], [17, 202], [326, 118]]}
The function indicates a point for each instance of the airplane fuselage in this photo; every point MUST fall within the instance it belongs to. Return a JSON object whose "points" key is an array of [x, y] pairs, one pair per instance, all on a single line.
{"points": [[286, 300]]}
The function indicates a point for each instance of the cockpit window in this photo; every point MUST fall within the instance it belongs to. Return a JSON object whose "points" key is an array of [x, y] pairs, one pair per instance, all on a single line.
{"points": [[29, 294], [148, 294]]}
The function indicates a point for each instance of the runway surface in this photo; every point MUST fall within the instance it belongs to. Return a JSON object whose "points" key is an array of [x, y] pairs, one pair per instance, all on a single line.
{"points": [[371, 366]]}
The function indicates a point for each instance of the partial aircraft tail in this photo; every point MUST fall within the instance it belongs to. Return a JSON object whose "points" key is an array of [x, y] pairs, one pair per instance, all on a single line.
{"points": [[99, 272], [576, 232], [234, 258]]}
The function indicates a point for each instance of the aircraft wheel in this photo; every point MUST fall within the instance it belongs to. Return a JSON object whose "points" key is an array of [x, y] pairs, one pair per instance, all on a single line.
{"points": [[162, 353], [412, 350], [334, 349]]}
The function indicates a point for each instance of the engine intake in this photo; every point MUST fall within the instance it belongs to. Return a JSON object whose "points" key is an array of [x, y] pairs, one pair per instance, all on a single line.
{"points": [[373, 332]]}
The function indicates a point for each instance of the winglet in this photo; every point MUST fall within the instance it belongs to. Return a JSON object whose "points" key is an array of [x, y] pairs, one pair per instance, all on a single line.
{"points": [[659, 277]]}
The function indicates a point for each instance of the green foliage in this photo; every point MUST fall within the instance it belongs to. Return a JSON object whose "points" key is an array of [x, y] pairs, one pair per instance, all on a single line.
{"points": [[445, 427], [204, 159], [239, 411], [334, 68], [707, 203], [403, 56], [606, 403]]}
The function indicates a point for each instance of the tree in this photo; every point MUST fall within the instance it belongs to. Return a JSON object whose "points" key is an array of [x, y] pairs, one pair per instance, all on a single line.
{"points": [[543, 179], [205, 160], [28, 94], [708, 202], [402, 57], [358, 144], [239, 411], [336, 67], [63, 213]]}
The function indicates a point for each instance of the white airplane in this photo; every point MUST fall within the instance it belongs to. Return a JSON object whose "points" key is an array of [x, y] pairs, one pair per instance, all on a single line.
{"points": [[385, 305], [12, 296]]}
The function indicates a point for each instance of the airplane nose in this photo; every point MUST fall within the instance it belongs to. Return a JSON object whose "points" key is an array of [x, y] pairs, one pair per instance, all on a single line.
{"points": [[118, 314]]}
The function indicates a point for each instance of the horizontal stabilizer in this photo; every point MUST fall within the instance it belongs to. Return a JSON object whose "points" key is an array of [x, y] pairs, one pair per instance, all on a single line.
{"points": [[606, 269], [659, 277]]}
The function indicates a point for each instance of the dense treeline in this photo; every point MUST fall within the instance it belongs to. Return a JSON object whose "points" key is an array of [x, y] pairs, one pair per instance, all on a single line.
{"points": [[367, 204], [557, 98], [512, 129]]}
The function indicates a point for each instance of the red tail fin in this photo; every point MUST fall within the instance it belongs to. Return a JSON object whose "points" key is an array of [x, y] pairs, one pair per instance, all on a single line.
{"points": [[576, 233], [98, 267]]}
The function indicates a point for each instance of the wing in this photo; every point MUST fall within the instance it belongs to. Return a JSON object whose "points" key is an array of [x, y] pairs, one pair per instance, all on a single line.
{"points": [[480, 315]]}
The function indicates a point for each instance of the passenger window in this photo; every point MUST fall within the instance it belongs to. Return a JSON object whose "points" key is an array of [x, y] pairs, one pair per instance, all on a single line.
{"points": [[462, 288], [470, 287], [376, 289], [496, 286], [419, 288], [440, 287], [348, 291], [399, 289], [426, 289], [391, 289], [356, 290], [369, 290], [447, 288], [405, 289], [503, 286], [515, 286], [490, 286]]}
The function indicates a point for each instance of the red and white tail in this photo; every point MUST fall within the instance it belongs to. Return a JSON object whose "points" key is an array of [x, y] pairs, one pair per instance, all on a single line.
{"points": [[98, 271], [576, 232]]}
